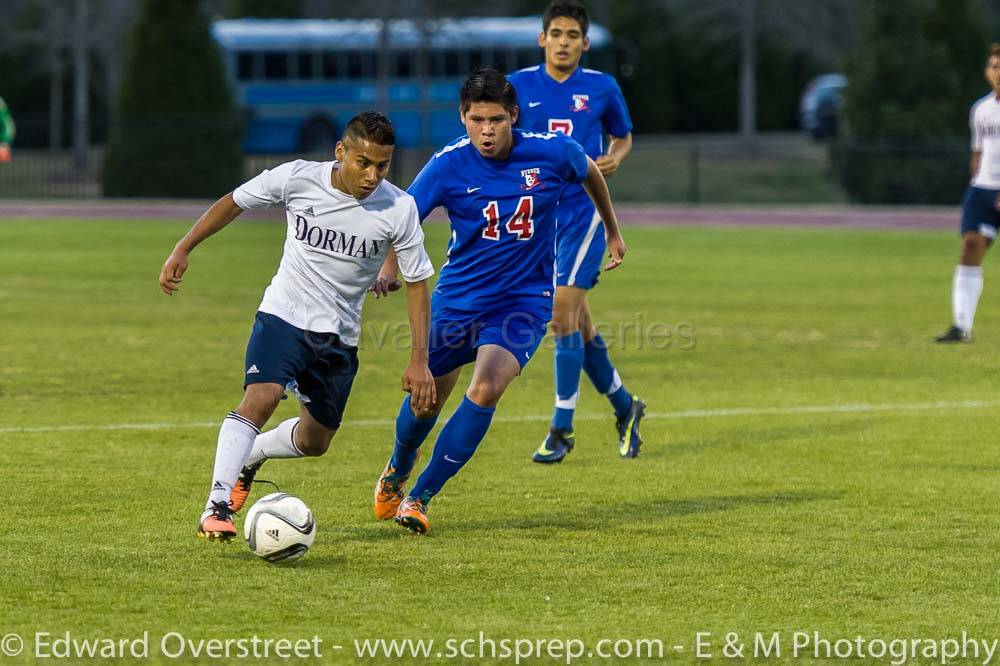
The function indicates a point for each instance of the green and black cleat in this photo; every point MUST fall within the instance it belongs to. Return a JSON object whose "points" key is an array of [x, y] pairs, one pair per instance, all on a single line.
{"points": [[629, 439], [555, 447]]}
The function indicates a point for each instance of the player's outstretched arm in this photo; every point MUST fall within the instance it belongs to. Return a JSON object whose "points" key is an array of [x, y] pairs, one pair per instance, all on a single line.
{"points": [[417, 378], [221, 213], [597, 189], [618, 150], [388, 276]]}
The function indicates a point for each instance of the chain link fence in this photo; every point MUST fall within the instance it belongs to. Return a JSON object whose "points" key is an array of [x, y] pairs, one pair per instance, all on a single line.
{"points": [[774, 169]]}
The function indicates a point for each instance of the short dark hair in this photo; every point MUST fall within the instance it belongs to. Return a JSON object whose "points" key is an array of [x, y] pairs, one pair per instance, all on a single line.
{"points": [[994, 51], [487, 85], [371, 126], [568, 8]]}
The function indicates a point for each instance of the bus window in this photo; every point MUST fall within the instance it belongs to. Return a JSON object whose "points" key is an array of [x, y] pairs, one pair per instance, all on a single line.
{"points": [[406, 64], [331, 67], [306, 64], [360, 65], [501, 62], [448, 63], [477, 59], [244, 66], [528, 58], [275, 65], [453, 65]]}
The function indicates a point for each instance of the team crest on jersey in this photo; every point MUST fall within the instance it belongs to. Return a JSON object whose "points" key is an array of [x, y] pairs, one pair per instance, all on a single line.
{"points": [[580, 103], [532, 179]]}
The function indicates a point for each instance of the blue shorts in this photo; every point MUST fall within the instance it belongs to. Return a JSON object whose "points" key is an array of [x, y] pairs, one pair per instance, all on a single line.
{"points": [[315, 367], [456, 335], [979, 211], [580, 245]]}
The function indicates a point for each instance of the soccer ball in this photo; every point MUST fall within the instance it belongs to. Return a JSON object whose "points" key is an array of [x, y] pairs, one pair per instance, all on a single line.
{"points": [[279, 528]]}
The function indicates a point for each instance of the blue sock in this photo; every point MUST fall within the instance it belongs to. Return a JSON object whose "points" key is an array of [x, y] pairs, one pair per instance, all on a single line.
{"points": [[597, 365], [569, 363], [454, 447], [410, 434]]}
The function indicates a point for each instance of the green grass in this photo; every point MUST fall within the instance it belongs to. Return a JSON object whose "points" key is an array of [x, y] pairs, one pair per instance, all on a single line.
{"points": [[879, 523]]}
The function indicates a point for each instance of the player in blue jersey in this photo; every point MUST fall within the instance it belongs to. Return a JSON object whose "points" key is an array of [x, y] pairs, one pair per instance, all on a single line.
{"points": [[559, 95], [494, 295]]}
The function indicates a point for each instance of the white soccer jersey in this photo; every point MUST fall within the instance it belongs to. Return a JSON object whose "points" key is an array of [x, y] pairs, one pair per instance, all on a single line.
{"points": [[984, 121], [334, 246]]}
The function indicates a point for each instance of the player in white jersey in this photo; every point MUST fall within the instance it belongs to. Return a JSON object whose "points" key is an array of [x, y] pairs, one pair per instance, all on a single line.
{"points": [[980, 207], [343, 216]]}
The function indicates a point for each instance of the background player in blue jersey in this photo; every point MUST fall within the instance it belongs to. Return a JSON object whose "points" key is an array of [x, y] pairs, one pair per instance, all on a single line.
{"points": [[559, 95], [494, 295]]}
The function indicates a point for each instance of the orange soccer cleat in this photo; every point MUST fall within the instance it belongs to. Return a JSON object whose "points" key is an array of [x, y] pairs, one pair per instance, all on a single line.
{"points": [[389, 492], [412, 514], [241, 491], [217, 523]]}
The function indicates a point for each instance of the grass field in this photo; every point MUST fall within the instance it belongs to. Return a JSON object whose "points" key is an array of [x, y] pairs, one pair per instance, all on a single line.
{"points": [[878, 521]]}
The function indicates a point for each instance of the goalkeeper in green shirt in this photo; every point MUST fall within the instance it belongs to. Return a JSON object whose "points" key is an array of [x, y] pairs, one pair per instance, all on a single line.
{"points": [[6, 132]]}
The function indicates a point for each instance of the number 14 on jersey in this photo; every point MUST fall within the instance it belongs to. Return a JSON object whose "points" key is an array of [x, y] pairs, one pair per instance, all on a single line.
{"points": [[520, 223]]}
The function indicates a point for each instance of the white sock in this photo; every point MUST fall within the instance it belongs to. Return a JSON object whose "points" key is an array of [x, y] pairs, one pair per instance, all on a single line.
{"points": [[275, 443], [236, 436], [965, 290]]}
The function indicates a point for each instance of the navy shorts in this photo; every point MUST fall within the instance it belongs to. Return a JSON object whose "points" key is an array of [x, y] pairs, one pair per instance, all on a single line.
{"points": [[315, 367], [580, 244], [456, 335], [979, 211]]}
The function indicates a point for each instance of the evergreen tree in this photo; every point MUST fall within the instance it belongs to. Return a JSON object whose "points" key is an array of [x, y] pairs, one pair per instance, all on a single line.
{"points": [[686, 57], [177, 131], [912, 78]]}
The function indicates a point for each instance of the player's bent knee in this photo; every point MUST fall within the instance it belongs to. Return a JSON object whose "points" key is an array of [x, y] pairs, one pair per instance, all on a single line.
{"points": [[486, 393], [974, 248], [314, 446], [565, 326], [259, 402], [311, 437]]}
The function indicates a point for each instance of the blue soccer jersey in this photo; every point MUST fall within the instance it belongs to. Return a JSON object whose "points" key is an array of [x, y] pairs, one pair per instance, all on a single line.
{"points": [[503, 218], [586, 106]]}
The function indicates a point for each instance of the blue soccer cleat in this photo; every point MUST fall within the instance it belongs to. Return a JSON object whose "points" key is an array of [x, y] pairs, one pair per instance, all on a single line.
{"points": [[555, 447], [629, 439]]}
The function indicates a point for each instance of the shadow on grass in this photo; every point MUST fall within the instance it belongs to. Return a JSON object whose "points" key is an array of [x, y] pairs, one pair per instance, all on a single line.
{"points": [[310, 560], [386, 531], [597, 516], [630, 513]]}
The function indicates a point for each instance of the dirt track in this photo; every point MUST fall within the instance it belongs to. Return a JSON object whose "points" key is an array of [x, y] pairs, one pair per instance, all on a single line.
{"points": [[854, 217]]}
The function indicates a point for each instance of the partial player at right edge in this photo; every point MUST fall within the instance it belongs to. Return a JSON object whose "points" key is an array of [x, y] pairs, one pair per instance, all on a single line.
{"points": [[980, 206]]}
